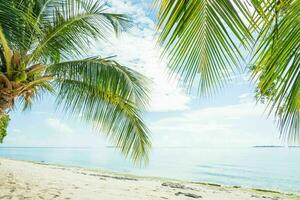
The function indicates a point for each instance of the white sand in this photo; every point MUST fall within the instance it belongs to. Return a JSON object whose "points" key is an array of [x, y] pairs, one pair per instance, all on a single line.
{"points": [[26, 180]]}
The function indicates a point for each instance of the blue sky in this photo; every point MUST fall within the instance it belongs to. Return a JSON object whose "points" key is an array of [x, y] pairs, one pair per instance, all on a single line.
{"points": [[230, 118]]}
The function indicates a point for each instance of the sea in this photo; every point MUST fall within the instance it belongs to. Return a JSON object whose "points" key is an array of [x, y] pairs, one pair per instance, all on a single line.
{"points": [[271, 168]]}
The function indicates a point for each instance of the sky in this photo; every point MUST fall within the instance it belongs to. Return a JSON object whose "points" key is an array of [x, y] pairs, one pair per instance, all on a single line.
{"points": [[231, 118]]}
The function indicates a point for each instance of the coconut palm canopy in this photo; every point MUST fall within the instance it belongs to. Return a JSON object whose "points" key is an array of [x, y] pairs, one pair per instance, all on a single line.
{"points": [[206, 40], [42, 50]]}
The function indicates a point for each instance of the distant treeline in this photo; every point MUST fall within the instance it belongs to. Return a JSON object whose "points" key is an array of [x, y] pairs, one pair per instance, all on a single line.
{"points": [[270, 146]]}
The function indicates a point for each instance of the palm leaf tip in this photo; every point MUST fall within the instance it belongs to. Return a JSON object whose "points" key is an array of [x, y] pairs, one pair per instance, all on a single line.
{"points": [[109, 95]]}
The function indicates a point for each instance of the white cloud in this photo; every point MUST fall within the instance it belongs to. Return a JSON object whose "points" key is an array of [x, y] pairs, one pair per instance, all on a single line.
{"points": [[137, 48], [40, 113], [246, 98], [59, 126], [246, 95], [16, 130], [242, 124]]}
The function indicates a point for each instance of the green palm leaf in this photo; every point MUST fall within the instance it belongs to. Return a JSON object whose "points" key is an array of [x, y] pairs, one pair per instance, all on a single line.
{"points": [[109, 95], [71, 25], [203, 39], [277, 61], [17, 22]]}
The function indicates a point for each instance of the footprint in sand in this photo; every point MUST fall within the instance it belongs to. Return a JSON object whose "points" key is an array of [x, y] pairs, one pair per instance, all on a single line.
{"points": [[6, 197], [55, 196], [254, 196], [188, 195], [20, 196], [75, 187], [12, 190]]}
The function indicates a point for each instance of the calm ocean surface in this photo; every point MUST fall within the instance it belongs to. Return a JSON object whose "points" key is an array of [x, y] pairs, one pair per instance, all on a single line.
{"points": [[269, 168]]}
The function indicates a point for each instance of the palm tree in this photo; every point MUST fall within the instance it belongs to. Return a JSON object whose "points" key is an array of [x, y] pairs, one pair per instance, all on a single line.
{"points": [[207, 40], [42, 50]]}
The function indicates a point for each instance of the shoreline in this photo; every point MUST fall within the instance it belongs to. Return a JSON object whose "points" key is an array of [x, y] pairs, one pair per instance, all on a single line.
{"points": [[32, 180]]}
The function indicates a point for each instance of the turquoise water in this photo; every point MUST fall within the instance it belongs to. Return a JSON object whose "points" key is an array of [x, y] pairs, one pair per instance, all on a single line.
{"points": [[269, 168]]}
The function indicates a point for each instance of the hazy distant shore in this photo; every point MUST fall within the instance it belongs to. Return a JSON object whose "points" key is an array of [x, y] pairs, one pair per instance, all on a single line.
{"points": [[28, 180]]}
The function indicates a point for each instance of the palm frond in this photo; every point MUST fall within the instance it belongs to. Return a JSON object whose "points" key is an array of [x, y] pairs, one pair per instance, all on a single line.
{"points": [[17, 23], [110, 96], [277, 61], [34, 92], [204, 39], [70, 26]]}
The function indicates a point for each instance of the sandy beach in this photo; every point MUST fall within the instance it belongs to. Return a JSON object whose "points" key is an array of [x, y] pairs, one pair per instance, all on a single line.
{"points": [[27, 180]]}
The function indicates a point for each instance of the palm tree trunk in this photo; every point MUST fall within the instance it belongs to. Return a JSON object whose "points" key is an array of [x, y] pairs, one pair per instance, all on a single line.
{"points": [[6, 101]]}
